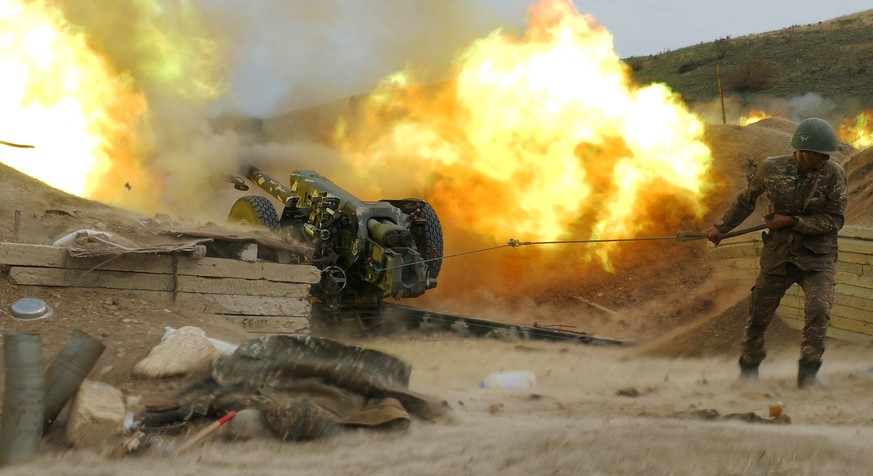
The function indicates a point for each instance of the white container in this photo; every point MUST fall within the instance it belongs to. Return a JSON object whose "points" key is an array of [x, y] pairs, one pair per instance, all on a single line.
{"points": [[509, 380]]}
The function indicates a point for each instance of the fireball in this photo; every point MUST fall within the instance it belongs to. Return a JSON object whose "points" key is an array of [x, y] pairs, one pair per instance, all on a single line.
{"points": [[543, 137], [753, 117], [858, 131], [61, 97], [79, 80]]}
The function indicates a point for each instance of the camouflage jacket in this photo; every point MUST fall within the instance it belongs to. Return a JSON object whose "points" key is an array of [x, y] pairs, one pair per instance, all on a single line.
{"points": [[818, 201]]}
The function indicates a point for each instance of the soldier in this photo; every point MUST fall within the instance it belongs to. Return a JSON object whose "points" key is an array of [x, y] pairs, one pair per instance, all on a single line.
{"points": [[808, 197]]}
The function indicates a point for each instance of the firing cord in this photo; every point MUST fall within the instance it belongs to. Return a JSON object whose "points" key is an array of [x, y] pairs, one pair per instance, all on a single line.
{"points": [[514, 243], [444, 257]]}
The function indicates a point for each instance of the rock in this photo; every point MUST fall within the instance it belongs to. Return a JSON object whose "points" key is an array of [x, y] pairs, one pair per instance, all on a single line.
{"points": [[96, 417], [186, 351]]}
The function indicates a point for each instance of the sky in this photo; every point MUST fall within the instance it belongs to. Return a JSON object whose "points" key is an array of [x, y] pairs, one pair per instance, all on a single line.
{"points": [[293, 54]]}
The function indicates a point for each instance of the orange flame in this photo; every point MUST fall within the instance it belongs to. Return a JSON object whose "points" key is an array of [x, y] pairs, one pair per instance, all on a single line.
{"points": [[543, 137], [858, 131], [754, 116], [60, 96], [80, 91]]}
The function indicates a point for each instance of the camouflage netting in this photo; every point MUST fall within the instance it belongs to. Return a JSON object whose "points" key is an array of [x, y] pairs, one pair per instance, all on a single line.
{"points": [[307, 388]]}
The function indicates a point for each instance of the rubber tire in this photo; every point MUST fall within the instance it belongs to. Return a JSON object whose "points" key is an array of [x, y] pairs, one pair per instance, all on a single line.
{"points": [[433, 239], [254, 211]]}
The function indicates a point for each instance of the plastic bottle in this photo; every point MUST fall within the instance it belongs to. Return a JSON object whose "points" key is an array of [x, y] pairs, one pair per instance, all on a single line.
{"points": [[509, 380]]}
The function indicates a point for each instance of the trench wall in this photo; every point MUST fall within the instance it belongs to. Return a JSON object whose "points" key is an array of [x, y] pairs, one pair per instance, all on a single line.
{"points": [[735, 265]]}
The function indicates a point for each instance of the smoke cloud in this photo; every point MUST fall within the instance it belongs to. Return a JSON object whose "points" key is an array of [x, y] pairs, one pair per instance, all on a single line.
{"points": [[195, 63], [317, 52]]}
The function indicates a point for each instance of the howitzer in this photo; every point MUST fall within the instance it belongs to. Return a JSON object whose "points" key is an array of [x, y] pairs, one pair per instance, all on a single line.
{"points": [[367, 251]]}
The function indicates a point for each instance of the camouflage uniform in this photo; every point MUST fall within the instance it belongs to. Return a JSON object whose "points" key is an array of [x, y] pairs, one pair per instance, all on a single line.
{"points": [[805, 254]]}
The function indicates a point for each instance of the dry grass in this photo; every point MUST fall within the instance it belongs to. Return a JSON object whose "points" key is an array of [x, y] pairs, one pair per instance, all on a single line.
{"points": [[832, 58]]}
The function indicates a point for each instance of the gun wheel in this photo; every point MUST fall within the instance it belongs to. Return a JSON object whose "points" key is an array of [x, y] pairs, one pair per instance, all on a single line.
{"points": [[433, 239], [254, 211], [333, 280]]}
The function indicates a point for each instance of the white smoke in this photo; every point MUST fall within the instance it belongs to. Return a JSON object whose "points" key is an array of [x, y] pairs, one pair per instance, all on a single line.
{"points": [[293, 54], [810, 105]]}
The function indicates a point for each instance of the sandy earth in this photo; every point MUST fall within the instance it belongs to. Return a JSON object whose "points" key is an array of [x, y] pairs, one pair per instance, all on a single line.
{"points": [[640, 409]]}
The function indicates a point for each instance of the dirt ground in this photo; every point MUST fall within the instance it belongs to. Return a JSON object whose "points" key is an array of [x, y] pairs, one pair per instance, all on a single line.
{"points": [[669, 404]]}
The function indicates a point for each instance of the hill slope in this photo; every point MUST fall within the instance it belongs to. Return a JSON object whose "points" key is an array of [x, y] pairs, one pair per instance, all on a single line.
{"points": [[832, 58]]}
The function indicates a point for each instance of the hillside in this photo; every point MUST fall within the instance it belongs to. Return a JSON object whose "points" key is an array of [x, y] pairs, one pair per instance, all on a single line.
{"points": [[832, 58]]}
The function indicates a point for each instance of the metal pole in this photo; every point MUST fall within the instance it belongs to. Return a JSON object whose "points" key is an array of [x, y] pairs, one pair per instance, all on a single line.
{"points": [[21, 432], [720, 92], [16, 225], [67, 371]]}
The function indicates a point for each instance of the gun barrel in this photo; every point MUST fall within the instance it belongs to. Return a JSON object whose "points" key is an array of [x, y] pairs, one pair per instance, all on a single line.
{"points": [[269, 184], [388, 234]]}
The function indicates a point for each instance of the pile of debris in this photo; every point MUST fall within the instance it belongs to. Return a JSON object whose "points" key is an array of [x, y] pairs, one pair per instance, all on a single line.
{"points": [[280, 386]]}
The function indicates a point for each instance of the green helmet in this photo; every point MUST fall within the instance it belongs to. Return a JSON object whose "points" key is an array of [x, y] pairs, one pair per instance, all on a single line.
{"points": [[816, 135]]}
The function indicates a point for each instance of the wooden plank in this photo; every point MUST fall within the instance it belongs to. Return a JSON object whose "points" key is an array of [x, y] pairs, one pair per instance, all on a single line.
{"points": [[16, 254], [852, 325], [25, 255], [246, 305], [228, 304], [844, 291], [853, 268], [855, 231], [267, 239], [796, 294], [851, 290], [855, 280], [288, 273], [249, 287], [833, 331], [271, 324], [60, 277], [855, 246], [858, 258], [837, 322], [838, 311], [849, 336]]}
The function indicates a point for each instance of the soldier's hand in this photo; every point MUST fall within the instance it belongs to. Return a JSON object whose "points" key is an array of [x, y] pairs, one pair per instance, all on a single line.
{"points": [[777, 221], [712, 235]]}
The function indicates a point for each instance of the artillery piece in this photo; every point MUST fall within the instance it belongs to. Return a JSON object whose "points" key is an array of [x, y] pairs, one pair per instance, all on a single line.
{"points": [[366, 251]]}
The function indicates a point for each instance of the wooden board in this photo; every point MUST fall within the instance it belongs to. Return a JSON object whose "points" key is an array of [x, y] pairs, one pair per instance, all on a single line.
{"points": [[16, 254], [854, 231], [271, 324], [246, 305], [261, 297], [223, 304], [60, 277]]}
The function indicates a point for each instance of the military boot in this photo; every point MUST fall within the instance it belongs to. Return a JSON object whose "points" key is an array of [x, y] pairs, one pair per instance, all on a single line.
{"points": [[806, 372], [748, 371]]}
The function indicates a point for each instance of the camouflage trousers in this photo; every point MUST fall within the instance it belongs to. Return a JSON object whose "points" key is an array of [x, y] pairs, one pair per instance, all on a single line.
{"points": [[818, 291]]}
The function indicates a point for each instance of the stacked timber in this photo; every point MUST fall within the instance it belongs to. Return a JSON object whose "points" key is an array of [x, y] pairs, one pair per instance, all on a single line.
{"points": [[735, 265], [260, 296]]}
